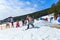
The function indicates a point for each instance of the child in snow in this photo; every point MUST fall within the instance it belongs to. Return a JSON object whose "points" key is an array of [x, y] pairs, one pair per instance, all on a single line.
{"points": [[46, 19], [30, 21], [17, 24], [7, 25]]}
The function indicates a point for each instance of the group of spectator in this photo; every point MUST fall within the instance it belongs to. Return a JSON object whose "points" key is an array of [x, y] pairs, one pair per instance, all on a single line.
{"points": [[29, 19]]}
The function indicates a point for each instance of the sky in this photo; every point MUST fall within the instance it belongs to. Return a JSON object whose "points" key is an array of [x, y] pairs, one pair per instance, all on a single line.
{"points": [[22, 7]]}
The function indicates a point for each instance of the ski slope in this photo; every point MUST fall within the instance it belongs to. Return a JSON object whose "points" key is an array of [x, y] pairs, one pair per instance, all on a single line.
{"points": [[44, 32]]}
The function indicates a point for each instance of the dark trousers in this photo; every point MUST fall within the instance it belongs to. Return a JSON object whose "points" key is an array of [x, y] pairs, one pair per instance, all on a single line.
{"points": [[30, 23], [12, 23]]}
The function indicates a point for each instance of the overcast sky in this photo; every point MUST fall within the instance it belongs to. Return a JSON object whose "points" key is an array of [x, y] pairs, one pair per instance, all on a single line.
{"points": [[22, 7]]}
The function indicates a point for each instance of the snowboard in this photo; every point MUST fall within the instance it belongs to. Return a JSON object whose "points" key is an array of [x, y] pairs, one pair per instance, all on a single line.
{"points": [[32, 28]]}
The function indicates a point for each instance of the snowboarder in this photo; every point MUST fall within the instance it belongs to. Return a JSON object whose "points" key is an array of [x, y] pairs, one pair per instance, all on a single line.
{"points": [[30, 21]]}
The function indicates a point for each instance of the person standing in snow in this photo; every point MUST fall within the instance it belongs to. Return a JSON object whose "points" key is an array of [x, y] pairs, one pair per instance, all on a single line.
{"points": [[11, 20], [7, 25], [30, 21], [46, 19], [1, 27], [58, 18], [51, 19], [17, 24], [23, 22]]}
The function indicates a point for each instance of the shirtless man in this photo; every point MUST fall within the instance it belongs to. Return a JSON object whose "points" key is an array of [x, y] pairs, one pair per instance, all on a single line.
{"points": [[30, 21]]}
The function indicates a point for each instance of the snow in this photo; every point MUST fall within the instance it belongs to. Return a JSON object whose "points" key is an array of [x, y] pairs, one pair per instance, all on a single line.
{"points": [[44, 32]]}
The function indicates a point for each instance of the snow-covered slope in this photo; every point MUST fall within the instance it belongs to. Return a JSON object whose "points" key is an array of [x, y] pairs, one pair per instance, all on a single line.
{"points": [[44, 32]]}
